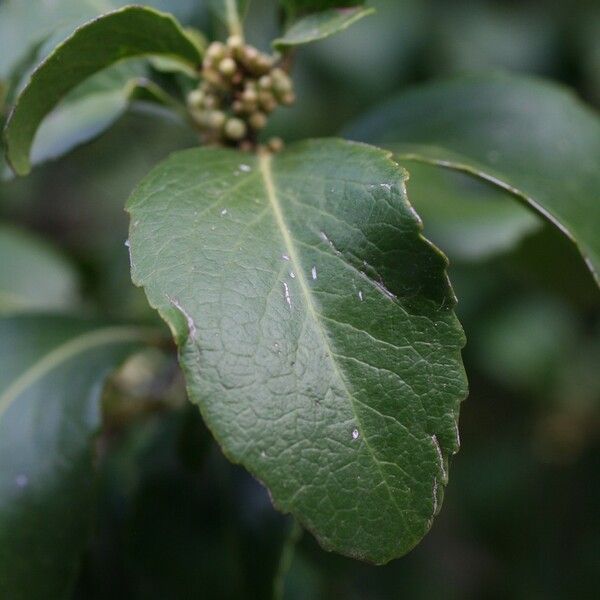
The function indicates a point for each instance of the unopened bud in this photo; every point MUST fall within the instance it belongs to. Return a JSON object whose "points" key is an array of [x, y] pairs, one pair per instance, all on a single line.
{"points": [[235, 129], [265, 82], [235, 42], [227, 67], [215, 119], [282, 84], [264, 62], [288, 99], [215, 51], [275, 144], [257, 120], [267, 101], [238, 107], [195, 98], [250, 95], [209, 101]]}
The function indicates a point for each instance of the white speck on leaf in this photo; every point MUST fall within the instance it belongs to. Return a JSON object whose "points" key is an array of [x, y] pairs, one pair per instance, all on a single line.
{"points": [[360, 296], [314, 272], [223, 212], [285, 257], [286, 293], [245, 168], [355, 434], [127, 244], [292, 275], [439, 453]]}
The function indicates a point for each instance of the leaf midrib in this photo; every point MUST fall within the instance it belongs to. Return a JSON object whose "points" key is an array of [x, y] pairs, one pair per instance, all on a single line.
{"points": [[264, 161], [63, 353]]}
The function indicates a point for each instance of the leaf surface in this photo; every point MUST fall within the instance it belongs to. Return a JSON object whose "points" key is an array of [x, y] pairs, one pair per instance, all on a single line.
{"points": [[50, 387], [531, 138], [316, 330], [320, 25], [33, 275], [130, 32]]}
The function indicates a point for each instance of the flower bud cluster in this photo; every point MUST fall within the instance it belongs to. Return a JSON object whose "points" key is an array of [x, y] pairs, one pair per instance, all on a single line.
{"points": [[240, 88]]}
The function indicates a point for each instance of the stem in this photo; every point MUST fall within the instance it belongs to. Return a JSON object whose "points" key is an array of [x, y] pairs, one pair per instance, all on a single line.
{"points": [[285, 561], [234, 23]]}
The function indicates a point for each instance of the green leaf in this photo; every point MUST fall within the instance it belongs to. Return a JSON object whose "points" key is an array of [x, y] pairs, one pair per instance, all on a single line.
{"points": [[294, 7], [33, 275], [50, 387], [316, 330], [469, 219], [93, 107], [126, 33], [24, 25], [321, 25], [529, 137], [85, 112]]}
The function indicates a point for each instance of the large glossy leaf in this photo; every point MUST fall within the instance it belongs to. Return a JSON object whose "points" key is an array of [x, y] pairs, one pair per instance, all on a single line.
{"points": [[316, 330], [33, 275], [529, 137], [50, 386], [126, 33], [469, 219], [320, 25]]}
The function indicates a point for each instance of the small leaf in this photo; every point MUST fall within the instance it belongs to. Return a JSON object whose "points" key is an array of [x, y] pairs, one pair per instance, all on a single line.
{"points": [[316, 330], [95, 105], [532, 138], [321, 25], [50, 387], [33, 275], [85, 112], [25, 25], [126, 33], [295, 7]]}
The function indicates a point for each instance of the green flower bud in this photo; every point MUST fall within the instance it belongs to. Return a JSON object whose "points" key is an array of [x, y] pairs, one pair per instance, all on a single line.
{"points": [[210, 101], [265, 82], [227, 67], [267, 101], [235, 129], [238, 107], [215, 51], [215, 119], [288, 99], [235, 42], [275, 144], [249, 95], [195, 98], [263, 63], [282, 84], [257, 120]]}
